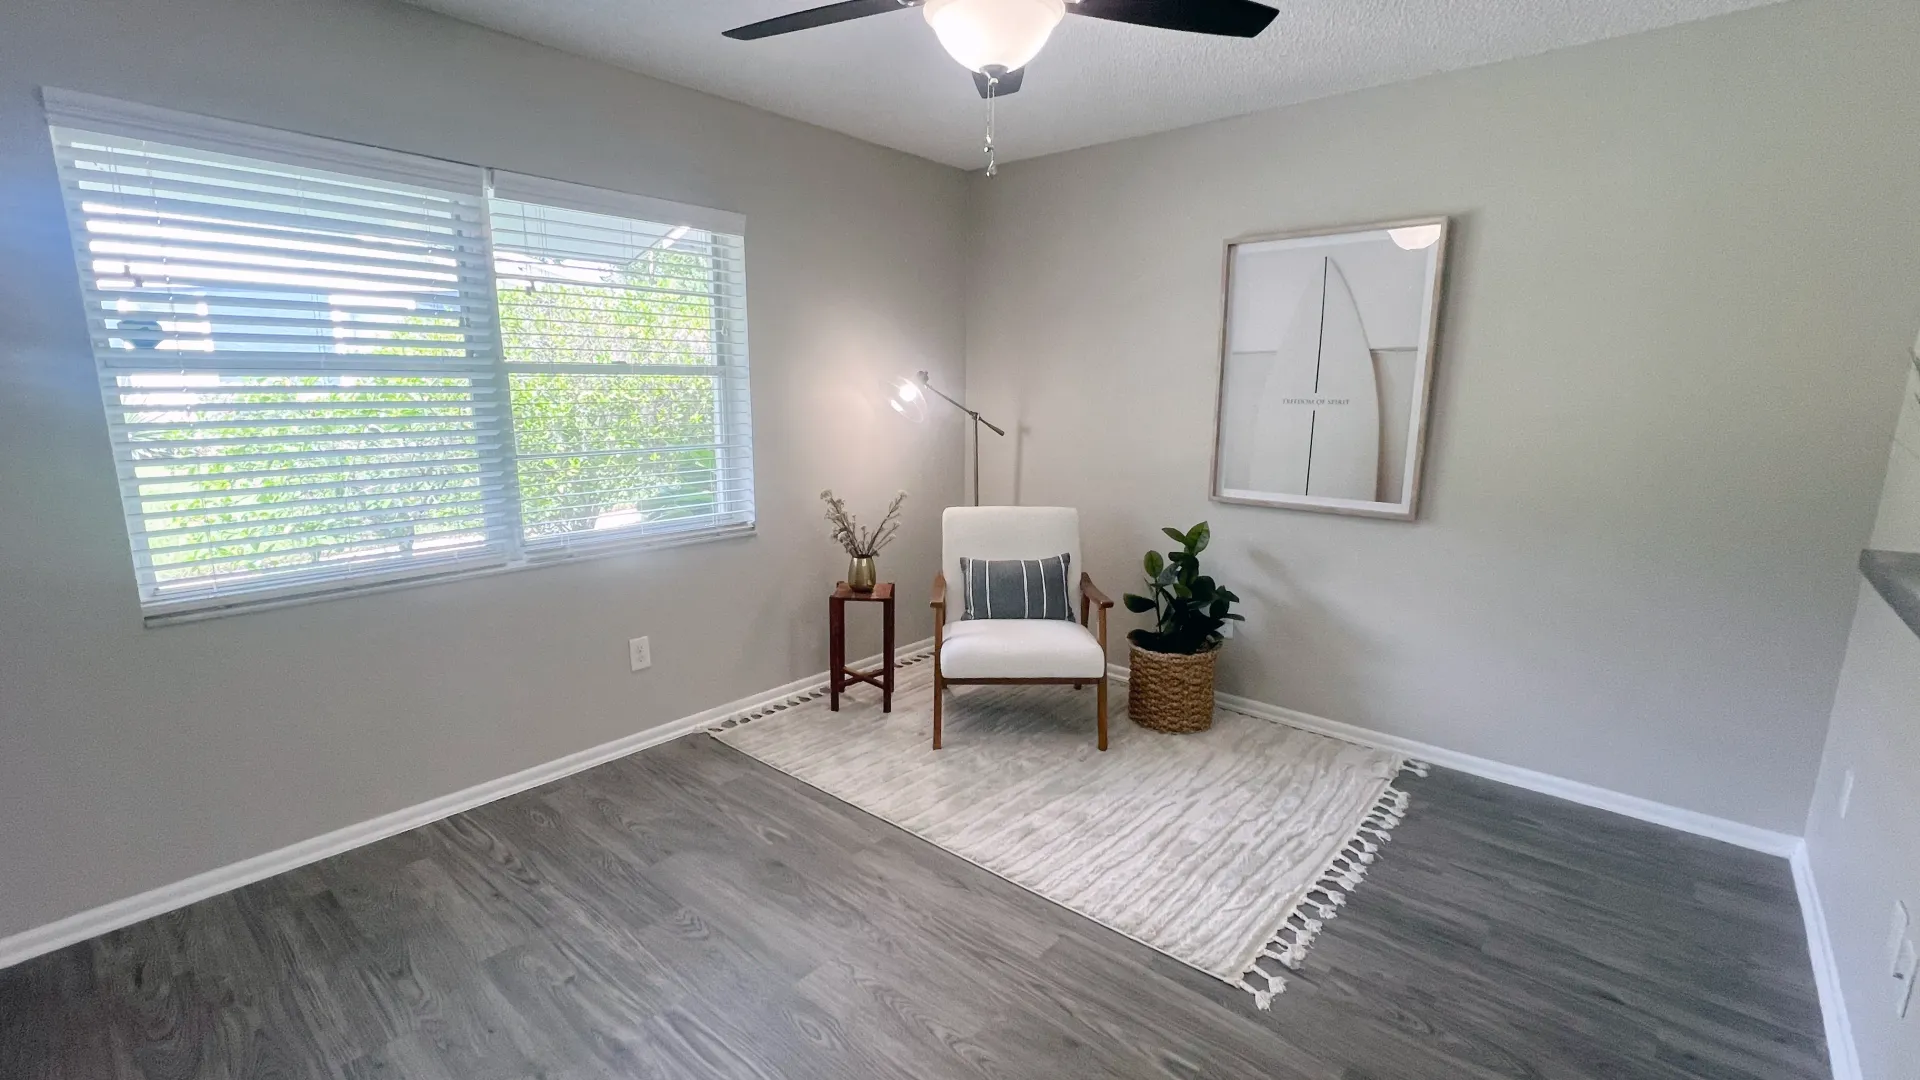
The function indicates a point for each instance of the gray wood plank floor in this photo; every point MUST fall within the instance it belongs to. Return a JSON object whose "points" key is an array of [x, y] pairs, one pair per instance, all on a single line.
{"points": [[688, 912]]}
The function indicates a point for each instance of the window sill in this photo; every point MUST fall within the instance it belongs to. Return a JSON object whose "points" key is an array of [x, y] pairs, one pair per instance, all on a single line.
{"points": [[242, 605]]}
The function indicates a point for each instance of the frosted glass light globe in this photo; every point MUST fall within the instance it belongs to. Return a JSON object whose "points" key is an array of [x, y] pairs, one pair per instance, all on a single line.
{"points": [[907, 400], [988, 33]]}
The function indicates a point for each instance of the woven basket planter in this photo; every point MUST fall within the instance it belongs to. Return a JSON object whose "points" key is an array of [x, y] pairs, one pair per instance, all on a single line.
{"points": [[1170, 692]]}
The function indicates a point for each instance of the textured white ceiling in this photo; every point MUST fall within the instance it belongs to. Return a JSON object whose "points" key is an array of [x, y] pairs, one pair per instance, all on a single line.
{"points": [[886, 80]]}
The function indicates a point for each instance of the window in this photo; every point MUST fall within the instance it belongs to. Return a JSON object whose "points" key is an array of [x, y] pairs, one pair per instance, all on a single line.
{"points": [[625, 348], [327, 367]]}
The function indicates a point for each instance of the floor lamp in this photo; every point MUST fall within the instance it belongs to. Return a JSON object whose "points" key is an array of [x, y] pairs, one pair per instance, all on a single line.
{"points": [[907, 397]]}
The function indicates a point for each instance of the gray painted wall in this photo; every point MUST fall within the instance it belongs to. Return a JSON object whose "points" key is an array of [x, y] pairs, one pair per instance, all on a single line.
{"points": [[1865, 861], [131, 758], [1686, 270]]}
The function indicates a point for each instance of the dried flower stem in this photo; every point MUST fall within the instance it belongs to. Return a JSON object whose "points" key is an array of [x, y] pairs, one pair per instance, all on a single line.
{"points": [[862, 543]]}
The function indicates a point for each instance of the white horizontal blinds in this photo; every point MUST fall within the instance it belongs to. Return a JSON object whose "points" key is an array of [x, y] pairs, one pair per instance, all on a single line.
{"points": [[624, 342], [299, 364]]}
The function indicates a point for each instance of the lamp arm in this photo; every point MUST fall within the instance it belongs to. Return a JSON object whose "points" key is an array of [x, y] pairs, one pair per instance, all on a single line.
{"points": [[996, 428]]}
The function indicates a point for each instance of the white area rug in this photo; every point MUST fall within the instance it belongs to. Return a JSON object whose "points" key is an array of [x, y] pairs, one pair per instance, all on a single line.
{"points": [[1226, 850]]}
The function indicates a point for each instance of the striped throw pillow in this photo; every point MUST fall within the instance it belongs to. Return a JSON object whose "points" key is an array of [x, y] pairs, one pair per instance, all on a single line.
{"points": [[1016, 588]]}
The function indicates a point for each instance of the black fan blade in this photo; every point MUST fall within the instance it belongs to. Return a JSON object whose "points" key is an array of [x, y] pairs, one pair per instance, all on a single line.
{"points": [[1226, 18], [820, 16], [1009, 82]]}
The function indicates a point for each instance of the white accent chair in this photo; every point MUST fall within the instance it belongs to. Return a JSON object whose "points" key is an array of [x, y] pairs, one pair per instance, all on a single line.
{"points": [[976, 651]]}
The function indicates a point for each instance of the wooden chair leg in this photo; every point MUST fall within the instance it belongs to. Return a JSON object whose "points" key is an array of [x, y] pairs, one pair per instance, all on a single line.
{"points": [[1100, 706], [939, 691]]}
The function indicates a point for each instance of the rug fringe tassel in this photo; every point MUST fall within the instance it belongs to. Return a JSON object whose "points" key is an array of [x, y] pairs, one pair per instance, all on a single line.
{"points": [[798, 697], [1289, 942], [1263, 995]]}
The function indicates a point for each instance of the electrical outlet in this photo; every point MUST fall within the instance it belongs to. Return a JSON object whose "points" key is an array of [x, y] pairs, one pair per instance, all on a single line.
{"points": [[1226, 629], [1846, 792], [640, 653]]}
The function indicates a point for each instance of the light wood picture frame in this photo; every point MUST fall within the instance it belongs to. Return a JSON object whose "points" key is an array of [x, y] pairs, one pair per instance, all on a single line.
{"points": [[1327, 343]]}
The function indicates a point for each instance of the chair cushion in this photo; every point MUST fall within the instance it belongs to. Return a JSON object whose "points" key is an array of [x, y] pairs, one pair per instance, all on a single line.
{"points": [[1016, 588], [1020, 649]]}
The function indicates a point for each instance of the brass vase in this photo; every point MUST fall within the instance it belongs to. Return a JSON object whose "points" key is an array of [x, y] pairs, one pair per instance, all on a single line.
{"points": [[862, 573]]}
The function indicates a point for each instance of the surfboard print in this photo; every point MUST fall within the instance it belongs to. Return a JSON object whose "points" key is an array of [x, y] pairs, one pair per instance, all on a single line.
{"points": [[1320, 410], [1326, 363]]}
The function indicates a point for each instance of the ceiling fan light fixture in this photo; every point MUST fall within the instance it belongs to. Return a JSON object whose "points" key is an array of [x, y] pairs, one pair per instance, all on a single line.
{"points": [[994, 33]]}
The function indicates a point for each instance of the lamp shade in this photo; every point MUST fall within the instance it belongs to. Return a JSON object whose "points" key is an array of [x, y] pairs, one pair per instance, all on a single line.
{"points": [[994, 33], [907, 399]]}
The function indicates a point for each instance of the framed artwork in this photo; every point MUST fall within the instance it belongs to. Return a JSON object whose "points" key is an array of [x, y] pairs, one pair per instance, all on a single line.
{"points": [[1326, 358]]}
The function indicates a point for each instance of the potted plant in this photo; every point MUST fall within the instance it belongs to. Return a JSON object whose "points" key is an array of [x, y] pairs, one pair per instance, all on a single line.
{"points": [[1170, 685]]}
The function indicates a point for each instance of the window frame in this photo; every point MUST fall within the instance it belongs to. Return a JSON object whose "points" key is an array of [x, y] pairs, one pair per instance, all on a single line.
{"points": [[507, 551]]}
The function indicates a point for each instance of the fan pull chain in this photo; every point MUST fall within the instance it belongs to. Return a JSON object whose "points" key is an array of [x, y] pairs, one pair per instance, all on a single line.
{"points": [[993, 85]]}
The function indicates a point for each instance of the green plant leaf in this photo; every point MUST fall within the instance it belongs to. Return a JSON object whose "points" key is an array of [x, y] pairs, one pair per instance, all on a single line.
{"points": [[1189, 607], [1235, 618]]}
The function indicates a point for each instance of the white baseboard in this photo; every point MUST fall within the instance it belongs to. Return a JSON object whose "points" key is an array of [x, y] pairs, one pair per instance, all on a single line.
{"points": [[1674, 817], [1842, 1055], [108, 917]]}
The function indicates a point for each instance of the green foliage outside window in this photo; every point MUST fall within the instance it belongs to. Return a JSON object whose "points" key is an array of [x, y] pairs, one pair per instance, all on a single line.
{"points": [[599, 440], [597, 443]]}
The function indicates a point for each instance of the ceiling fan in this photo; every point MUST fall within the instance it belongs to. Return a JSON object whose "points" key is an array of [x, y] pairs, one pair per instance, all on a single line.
{"points": [[995, 39], [1005, 34]]}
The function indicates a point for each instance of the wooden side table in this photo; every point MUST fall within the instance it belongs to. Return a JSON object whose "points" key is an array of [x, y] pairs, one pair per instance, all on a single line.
{"points": [[840, 676]]}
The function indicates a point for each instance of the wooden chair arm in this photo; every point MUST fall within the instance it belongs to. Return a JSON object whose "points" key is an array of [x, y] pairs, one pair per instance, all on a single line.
{"points": [[939, 606], [1092, 592], [1090, 595]]}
